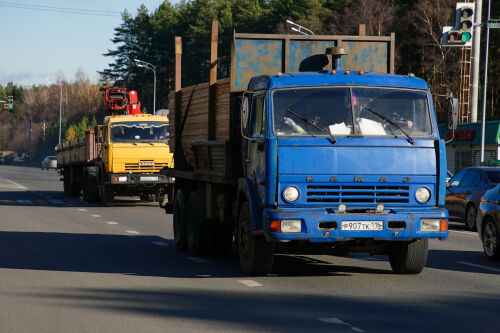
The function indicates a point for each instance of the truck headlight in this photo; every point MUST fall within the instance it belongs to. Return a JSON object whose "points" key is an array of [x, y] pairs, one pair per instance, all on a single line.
{"points": [[430, 225], [291, 194], [122, 178], [423, 194]]}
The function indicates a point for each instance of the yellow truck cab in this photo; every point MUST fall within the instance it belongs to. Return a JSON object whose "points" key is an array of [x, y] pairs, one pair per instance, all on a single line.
{"points": [[123, 157]]}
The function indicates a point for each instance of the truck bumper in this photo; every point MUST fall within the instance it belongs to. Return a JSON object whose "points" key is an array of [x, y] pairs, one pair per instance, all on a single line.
{"points": [[325, 225], [149, 181]]}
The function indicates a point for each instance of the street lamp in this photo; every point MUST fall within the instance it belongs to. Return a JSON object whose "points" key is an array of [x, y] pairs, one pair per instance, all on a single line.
{"points": [[147, 65]]}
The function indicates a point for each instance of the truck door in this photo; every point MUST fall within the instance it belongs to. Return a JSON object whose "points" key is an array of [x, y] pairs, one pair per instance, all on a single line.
{"points": [[255, 155]]}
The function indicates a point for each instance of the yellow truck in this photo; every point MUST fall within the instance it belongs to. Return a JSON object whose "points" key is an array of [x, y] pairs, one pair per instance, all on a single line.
{"points": [[123, 156]]}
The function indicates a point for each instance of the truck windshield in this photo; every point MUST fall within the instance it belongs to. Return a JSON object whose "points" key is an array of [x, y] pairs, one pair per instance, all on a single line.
{"points": [[134, 132], [366, 111]]}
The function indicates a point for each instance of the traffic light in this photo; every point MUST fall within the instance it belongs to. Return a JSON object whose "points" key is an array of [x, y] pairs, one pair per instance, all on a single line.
{"points": [[10, 103], [461, 33]]}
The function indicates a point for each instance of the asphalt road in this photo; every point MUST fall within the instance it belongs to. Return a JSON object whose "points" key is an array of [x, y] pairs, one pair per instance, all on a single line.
{"points": [[67, 266]]}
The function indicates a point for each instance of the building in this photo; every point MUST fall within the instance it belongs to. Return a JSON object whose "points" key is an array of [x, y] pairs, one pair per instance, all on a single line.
{"points": [[463, 146]]}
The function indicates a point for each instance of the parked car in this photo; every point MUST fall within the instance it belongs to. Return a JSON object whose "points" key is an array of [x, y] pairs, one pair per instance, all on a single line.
{"points": [[488, 223], [464, 192], [49, 162], [449, 175]]}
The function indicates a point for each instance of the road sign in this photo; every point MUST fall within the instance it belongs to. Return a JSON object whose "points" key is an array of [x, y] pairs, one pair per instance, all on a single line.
{"points": [[494, 23]]}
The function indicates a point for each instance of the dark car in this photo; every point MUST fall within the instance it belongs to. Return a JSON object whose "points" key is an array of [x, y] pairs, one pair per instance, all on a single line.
{"points": [[464, 192], [488, 223]]}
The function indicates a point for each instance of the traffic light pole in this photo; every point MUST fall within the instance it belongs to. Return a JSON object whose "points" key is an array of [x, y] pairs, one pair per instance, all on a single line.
{"points": [[485, 84], [476, 54]]}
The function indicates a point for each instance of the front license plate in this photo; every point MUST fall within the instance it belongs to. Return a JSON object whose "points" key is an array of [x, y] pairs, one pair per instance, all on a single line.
{"points": [[362, 225], [149, 179]]}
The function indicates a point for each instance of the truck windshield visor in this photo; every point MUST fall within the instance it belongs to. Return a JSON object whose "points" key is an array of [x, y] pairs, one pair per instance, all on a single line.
{"points": [[364, 111], [137, 132]]}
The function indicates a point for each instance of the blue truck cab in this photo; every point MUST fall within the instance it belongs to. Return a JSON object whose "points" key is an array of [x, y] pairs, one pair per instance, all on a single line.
{"points": [[293, 153], [348, 158]]}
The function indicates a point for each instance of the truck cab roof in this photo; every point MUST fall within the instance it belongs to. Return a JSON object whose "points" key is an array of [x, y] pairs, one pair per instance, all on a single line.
{"points": [[335, 77], [135, 117]]}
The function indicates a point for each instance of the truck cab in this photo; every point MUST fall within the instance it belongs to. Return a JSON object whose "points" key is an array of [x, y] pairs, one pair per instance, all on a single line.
{"points": [[346, 157]]}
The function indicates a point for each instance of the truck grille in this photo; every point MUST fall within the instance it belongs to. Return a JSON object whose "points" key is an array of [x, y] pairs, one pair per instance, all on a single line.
{"points": [[145, 166], [358, 193]]}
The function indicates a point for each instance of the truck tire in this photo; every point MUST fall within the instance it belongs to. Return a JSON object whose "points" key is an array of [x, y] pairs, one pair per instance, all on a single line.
{"points": [[199, 232], [255, 253], [106, 195], [179, 218], [409, 258], [90, 190]]}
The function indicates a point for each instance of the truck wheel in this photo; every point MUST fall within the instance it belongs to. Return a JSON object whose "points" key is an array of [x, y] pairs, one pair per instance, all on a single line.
{"points": [[199, 233], [409, 258], [491, 238], [256, 254], [66, 184], [179, 219], [106, 195]]}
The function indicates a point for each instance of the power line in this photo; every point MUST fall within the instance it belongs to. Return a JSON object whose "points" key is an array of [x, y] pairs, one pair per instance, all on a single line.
{"points": [[66, 10]]}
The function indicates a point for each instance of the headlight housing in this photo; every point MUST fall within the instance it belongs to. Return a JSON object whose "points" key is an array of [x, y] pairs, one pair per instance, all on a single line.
{"points": [[423, 195], [291, 194]]}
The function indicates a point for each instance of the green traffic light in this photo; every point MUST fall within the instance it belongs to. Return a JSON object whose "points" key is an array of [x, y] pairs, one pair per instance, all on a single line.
{"points": [[466, 36], [10, 106]]}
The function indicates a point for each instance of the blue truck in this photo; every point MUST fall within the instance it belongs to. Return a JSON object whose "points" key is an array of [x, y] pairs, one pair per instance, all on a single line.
{"points": [[293, 152]]}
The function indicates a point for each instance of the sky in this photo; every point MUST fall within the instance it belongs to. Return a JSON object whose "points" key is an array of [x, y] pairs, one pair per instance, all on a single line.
{"points": [[46, 42]]}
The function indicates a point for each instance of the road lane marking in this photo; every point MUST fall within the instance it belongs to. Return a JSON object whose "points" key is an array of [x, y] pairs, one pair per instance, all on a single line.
{"points": [[479, 266], [198, 260], [25, 202], [96, 215], [133, 232], [250, 283], [160, 243], [111, 222], [12, 184], [82, 209], [464, 232], [337, 321]]}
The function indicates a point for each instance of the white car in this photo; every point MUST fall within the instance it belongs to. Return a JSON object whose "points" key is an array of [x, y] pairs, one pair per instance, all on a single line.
{"points": [[49, 162]]}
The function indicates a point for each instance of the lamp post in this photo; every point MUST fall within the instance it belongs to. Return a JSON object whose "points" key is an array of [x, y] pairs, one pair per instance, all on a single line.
{"points": [[147, 65], [60, 109]]}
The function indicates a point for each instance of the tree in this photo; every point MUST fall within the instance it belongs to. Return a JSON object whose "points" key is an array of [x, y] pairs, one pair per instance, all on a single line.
{"points": [[70, 133]]}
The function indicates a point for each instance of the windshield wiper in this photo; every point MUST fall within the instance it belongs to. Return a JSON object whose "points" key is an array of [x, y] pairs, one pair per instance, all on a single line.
{"points": [[315, 123], [390, 122]]}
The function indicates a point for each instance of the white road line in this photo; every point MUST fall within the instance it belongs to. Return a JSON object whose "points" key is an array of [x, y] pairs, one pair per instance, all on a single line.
{"points": [[25, 202], [96, 215], [160, 243], [82, 209], [111, 222], [12, 185], [133, 232], [250, 283], [198, 260], [464, 232], [479, 266], [340, 322]]}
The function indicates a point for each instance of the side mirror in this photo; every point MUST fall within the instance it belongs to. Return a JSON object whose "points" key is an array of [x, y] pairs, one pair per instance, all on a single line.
{"points": [[451, 113]]}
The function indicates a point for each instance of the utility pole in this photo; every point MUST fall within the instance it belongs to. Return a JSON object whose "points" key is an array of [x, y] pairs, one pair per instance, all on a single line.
{"points": [[476, 53], [485, 83], [60, 110]]}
